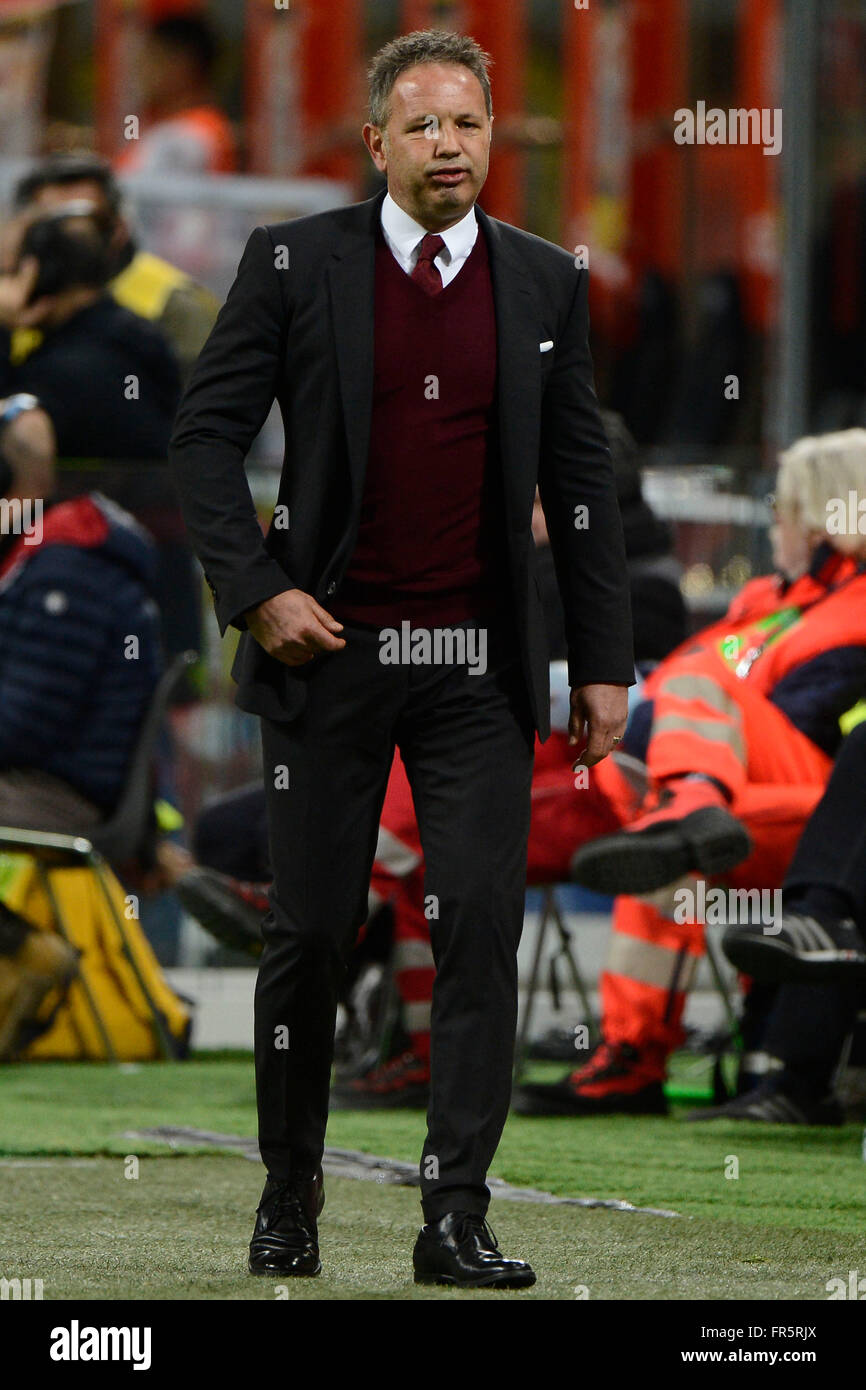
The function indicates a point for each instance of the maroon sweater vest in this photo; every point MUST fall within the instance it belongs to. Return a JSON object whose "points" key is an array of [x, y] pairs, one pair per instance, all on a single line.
{"points": [[430, 544]]}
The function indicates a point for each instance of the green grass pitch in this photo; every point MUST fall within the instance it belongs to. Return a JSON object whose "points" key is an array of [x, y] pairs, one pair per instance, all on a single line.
{"points": [[791, 1220]]}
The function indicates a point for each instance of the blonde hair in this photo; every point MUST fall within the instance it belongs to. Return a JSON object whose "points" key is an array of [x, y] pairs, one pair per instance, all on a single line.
{"points": [[816, 475]]}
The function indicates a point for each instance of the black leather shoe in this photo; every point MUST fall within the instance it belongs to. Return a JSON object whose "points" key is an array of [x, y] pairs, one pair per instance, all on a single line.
{"points": [[286, 1239], [461, 1249]]}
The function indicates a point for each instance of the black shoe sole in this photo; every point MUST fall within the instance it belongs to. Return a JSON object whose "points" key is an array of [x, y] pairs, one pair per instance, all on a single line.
{"points": [[769, 960], [227, 919], [284, 1273], [710, 841], [490, 1281], [551, 1100], [823, 1119]]}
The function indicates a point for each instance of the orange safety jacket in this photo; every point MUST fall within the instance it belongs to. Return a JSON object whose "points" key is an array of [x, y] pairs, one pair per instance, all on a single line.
{"points": [[802, 644], [203, 127]]}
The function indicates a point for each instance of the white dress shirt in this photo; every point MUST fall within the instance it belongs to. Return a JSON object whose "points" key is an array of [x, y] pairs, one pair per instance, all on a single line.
{"points": [[404, 236]]}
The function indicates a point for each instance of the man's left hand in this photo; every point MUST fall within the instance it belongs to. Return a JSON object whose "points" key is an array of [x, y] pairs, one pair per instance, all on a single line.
{"points": [[598, 716]]}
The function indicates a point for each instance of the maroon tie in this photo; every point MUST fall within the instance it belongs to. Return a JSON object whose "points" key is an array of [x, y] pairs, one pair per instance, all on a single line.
{"points": [[426, 274]]}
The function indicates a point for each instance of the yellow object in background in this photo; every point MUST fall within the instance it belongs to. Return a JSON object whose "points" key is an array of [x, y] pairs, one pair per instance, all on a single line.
{"points": [[105, 1010], [852, 717]]}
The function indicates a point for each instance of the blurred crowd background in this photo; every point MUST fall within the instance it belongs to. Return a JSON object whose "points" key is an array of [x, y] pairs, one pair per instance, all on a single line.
{"points": [[182, 125]]}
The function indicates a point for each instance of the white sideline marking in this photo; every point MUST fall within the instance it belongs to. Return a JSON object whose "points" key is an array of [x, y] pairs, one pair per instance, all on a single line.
{"points": [[351, 1163]]}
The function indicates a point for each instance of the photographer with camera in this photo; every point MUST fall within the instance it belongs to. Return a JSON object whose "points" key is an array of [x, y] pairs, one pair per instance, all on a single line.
{"points": [[107, 378], [164, 294]]}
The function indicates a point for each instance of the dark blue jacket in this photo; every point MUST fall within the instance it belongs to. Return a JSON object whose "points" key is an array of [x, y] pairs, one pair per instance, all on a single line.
{"points": [[79, 646]]}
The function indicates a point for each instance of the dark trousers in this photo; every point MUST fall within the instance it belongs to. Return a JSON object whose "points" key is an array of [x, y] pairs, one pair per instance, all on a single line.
{"points": [[831, 855], [467, 742], [809, 1024]]}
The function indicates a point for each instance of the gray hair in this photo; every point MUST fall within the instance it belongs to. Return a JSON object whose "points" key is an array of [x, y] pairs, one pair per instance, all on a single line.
{"points": [[423, 46], [816, 476]]}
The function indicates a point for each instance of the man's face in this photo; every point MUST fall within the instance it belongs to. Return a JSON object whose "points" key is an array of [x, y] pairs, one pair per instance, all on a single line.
{"points": [[792, 545], [435, 148], [165, 75]]}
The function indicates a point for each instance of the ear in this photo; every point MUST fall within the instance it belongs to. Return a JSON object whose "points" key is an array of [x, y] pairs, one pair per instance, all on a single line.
{"points": [[375, 142]]}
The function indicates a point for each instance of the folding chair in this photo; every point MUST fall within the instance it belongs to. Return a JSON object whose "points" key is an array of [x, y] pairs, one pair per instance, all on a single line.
{"points": [[714, 961], [550, 916], [119, 839]]}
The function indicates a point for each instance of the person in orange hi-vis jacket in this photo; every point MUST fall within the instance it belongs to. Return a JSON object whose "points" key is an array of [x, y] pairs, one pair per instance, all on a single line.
{"points": [[183, 130], [723, 762]]}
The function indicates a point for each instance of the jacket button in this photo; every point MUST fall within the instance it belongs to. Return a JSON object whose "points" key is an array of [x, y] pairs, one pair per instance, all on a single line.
{"points": [[332, 587]]}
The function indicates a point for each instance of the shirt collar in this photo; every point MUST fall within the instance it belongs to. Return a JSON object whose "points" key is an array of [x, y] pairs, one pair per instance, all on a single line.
{"points": [[406, 233]]}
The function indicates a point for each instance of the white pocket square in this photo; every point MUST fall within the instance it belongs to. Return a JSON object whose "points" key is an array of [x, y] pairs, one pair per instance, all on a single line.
{"points": [[545, 347]]}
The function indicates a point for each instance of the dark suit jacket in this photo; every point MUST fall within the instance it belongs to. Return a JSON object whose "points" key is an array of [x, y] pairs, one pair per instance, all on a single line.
{"points": [[305, 335]]}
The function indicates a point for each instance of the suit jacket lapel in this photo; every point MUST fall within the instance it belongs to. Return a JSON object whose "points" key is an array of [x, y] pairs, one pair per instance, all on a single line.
{"points": [[352, 296], [519, 368]]}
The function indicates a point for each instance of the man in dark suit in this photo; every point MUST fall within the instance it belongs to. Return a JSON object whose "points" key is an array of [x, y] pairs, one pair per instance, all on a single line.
{"points": [[431, 365]]}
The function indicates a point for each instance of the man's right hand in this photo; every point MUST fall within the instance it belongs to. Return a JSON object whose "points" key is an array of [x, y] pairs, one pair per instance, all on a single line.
{"points": [[16, 287], [293, 628]]}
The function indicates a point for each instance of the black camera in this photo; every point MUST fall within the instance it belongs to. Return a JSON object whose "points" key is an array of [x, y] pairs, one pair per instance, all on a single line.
{"points": [[71, 247]]}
